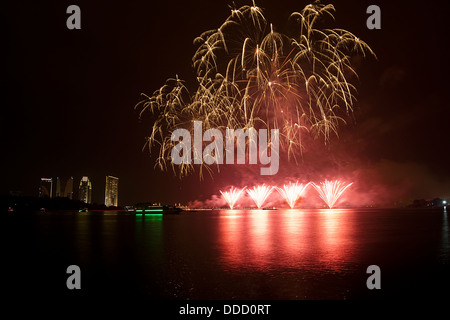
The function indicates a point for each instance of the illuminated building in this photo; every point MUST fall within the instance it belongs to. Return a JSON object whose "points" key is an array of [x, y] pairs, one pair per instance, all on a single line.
{"points": [[111, 191], [85, 190], [46, 188], [67, 191]]}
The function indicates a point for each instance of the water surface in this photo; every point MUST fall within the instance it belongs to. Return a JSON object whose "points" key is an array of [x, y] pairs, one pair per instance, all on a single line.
{"points": [[231, 254]]}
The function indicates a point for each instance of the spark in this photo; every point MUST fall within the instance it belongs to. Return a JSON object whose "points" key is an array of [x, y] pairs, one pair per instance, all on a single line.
{"points": [[232, 196], [330, 191], [259, 194]]}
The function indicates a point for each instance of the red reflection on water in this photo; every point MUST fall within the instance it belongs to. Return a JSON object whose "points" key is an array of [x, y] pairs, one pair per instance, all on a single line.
{"points": [[259, 236], [335, 242], [292, 238]]}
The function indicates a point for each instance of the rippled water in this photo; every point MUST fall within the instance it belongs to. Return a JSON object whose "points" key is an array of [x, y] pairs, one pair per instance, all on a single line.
{"points": [[238, 254]]}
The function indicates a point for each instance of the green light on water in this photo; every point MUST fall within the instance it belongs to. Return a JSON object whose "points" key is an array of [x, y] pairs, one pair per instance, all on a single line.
{"points": [[140, 210], [149, 214], [153, 210]]}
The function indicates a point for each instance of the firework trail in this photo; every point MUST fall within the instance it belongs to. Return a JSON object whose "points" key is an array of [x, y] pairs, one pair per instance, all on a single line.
{"points": [[232, 196], [330, 191], [292, 192], [259, 194], [251, 75]]}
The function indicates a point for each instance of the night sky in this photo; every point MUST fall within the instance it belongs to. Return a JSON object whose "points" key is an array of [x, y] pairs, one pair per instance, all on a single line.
{"points": [[68, 97]]}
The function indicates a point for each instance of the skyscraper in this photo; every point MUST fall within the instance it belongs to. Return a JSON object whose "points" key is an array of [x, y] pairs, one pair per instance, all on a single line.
{"points": [[111, 191], [68, 191], [85, 190], [46, 187], [64, 188]]}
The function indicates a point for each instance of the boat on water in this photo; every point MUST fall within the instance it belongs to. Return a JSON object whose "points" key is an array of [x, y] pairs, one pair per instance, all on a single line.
{"points": [[153, 209]]}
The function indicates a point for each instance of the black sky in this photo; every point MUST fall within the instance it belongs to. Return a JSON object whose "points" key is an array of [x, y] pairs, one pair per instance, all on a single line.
{"points": [[68, 95]]}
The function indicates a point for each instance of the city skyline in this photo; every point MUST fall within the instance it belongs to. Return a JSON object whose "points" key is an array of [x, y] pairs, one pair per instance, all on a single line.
{"points": [[63, 188]]}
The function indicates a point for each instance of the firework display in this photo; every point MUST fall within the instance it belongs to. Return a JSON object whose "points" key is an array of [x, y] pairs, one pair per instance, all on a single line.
{"points": [[329, 191], [251, 75]]}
